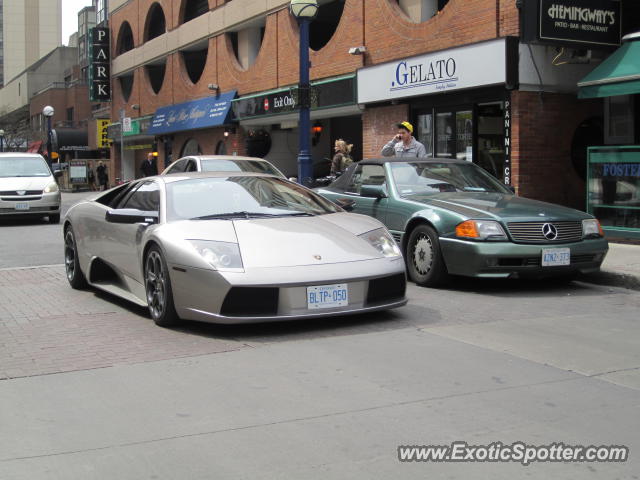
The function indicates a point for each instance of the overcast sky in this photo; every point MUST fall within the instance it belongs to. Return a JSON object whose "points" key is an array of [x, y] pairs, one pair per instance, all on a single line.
{"points": [[70, 9]]}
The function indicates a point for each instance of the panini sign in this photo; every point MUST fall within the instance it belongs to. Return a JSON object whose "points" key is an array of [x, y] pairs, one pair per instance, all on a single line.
{"points": [[99, 61]]}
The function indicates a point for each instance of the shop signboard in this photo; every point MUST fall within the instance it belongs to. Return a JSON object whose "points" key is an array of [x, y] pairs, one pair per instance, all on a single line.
{"points": [[196, 114], [102, 139], [586, 21], [477, 65], [78, 171], [324, 94], [99, 65]]}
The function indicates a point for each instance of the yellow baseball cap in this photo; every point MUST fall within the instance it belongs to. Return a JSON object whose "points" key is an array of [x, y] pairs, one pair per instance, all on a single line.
{"points": [[406, 125]]}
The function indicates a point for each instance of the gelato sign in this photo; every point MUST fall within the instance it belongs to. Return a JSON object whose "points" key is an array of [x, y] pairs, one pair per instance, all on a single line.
{"points": [[585, 21], [481, 64]]}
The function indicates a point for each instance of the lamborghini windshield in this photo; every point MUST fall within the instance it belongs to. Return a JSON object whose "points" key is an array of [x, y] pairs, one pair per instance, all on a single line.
{"points": [[242, 197]]}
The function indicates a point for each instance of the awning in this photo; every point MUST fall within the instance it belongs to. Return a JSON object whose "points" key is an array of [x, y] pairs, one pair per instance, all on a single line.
{"points": [[34, 146], [203, 113], [617, 75], [70, 139]]}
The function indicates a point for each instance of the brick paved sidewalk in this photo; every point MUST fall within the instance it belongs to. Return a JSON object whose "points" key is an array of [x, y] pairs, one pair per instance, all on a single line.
{"points": [[47, 327]]}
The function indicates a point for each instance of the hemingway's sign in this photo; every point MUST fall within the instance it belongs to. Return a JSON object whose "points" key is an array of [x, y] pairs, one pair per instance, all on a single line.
{"points": [[585, 21], [99, 65], [481, 64]]}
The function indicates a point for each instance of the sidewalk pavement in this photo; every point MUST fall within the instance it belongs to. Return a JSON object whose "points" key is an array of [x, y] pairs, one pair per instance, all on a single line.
{"points": [[621, 267]]}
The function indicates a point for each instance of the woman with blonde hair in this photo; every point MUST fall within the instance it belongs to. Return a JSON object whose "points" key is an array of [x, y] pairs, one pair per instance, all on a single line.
{"points": [[342, 158]]}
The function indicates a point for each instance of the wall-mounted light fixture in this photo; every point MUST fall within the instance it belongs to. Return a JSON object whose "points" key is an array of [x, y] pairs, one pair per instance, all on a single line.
{"points": [[135, 106], [214, 87], [358, 50], [228, 131], [317, 131]]}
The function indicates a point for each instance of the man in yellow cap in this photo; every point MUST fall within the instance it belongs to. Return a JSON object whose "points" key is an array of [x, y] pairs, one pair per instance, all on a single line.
{"points": [[403, 144]]}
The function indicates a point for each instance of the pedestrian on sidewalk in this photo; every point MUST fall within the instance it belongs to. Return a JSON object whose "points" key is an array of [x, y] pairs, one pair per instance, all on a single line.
{"points": [[91, 177], [342, 158], [103, 177], [149, 167], [404, 144]]}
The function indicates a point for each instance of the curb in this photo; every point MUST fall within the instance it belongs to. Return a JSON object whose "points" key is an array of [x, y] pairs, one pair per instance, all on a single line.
{"points": [[612, 279]]}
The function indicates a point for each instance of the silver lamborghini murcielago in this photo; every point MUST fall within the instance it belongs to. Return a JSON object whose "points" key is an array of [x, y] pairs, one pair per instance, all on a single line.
{"points": [[229, 248]]}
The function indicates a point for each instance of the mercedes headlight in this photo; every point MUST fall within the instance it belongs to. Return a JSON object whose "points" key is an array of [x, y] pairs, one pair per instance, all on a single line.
{"points": [[480, 230], [220, 255], [591, 228], [51, 188], [382, 241]]}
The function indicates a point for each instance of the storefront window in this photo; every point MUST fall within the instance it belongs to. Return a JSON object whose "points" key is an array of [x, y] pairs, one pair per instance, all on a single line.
{"points": [[191, 147], [444, 134], [464, 135], [491, 152], [614, 186], [424, 132], [619, 120]]}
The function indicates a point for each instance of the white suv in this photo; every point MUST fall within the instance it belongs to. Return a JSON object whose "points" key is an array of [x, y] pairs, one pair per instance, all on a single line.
{"points": [[27, 187]]}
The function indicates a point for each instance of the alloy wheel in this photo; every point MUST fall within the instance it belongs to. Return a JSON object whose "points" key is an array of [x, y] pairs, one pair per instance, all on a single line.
{"points": [[155, 284], [422, 256], [70, 255]]}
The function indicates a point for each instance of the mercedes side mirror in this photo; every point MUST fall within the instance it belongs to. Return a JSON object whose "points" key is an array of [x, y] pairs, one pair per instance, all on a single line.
{"points": [[373, 191]]}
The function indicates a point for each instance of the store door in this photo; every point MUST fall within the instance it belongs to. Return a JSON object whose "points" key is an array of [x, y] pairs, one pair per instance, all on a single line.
{"points": [[490, 149]]}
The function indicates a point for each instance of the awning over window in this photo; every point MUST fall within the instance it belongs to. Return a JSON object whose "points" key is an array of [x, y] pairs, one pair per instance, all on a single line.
{"points": [[617, 75], [203, 113]]}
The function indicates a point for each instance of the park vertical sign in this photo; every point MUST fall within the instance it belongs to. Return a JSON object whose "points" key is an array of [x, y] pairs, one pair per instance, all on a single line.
{"points": [[99, 65]]}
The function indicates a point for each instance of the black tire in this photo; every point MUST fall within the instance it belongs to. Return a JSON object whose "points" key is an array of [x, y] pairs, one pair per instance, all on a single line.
{"points": [[157, 285], [55, 219], [425, 264], [75, 276]]}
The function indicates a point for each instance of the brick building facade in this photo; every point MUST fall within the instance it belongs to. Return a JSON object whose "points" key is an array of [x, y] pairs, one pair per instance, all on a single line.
{"points": [[538, 92]]}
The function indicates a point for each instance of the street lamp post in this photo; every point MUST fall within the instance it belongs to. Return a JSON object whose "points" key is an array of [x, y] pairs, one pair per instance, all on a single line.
{"points": [[304, 11], [1, 140], [48, 112]]}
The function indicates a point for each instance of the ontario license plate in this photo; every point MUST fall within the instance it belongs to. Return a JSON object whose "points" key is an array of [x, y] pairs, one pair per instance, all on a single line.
{"points": [[553, 257], [327, 296], [22, 206]]}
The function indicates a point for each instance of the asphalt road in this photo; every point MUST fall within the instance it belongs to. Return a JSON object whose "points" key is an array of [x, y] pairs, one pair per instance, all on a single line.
{"points": [[93, 390], [29, 242]]}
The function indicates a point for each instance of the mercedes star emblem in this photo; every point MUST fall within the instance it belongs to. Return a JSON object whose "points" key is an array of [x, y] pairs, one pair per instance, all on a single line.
{"points": [[549, 231]]}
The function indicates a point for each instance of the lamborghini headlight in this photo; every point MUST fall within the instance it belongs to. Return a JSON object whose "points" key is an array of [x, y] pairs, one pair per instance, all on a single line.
{"points": [[51, 188], [382, 241], [220, 255]]}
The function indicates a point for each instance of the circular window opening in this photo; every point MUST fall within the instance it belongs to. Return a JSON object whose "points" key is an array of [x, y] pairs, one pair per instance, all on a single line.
{"points": [[420, 11], [155, 73], [194, 60], [191, 147], [247, 42], [193, 8], [325, 24], [125, 39], [126, 86], [221, 148], [156, 24]]}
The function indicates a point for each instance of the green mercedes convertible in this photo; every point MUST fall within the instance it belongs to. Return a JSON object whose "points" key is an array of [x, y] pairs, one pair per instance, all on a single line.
{"points": [[450, 217]]}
